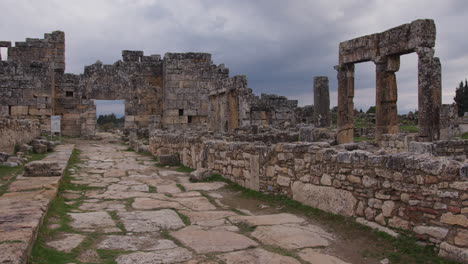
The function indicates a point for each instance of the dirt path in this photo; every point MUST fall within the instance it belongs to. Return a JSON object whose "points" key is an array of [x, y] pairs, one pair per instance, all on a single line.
{"points": [[118, 207]]}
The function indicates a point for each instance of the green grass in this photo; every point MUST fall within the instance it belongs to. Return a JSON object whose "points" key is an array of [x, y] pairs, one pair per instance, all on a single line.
{"points": [[181, 187], [403, 249], [464, 135], [184, 218], [408, 128], [183, 168], [152, 189], [58, 209], [360, 139]]}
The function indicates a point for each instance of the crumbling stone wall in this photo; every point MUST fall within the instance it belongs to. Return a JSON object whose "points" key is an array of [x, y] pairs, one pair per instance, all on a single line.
{"points": [[15, 132], [421, 193], [274, 110], [28, 77], [188, 80]]}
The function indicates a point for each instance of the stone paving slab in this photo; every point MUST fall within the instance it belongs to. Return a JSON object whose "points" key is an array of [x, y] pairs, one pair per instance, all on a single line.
{"points": [[22, 211]]}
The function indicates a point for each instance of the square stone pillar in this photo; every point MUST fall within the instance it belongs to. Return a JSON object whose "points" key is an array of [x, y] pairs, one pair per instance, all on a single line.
{"points": [[345, 103], [322, 116], [386, 96], [429, 94]]}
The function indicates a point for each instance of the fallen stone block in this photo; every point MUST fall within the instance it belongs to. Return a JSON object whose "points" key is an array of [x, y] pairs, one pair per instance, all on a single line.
{"points": [[200, 174], [169, 160], [4, 156], [25, 148], [40, 148], [42, 168]]}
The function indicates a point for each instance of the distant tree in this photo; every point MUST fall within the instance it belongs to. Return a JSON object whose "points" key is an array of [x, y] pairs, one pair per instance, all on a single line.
{"points": [[371, 110], [360, 110], [461, 98]]}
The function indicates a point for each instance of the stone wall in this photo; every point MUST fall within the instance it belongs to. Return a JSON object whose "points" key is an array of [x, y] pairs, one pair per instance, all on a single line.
{"points": [[15, 132], [396, 143], [28, 77], [424, 194]]}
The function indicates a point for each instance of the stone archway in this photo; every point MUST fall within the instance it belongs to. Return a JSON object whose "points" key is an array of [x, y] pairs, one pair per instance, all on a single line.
{"points": [[385, 49]]}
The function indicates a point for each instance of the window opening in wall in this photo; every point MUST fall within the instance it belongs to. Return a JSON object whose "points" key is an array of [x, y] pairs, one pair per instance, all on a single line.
{"points": [[4, 53], [189, 119], [181, 112], [69, 94], [9, 110], [110, 114]]}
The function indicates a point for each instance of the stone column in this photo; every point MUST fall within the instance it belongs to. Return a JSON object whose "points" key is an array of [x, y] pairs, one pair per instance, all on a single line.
{"points": [[321, 102], [386, 96], [345, 103], [429, 94]]}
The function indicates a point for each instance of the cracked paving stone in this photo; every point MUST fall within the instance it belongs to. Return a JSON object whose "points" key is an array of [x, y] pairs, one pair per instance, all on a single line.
{"points": [[91, 221], [174, 255], [212, 241], [150, 221], [312, 256], [292, 236], [135, 243], [257, 255], [272, 219], [67, 243]]}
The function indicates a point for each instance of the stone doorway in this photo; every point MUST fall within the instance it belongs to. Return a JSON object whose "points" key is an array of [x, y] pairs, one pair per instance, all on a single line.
{"points": [[110, 114]]}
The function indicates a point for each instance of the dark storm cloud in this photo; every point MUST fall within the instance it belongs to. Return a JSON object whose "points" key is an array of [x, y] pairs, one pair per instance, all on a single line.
{"points": [[279, 45]]}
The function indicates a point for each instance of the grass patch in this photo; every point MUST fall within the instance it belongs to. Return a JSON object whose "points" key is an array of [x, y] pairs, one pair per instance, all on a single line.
{"points": [[152, 189], [403, 249], [118, 223], [409, 128], [183, 168], [360, 139], [245, 228], [181, 187], [184, 218], [464, 135], [58, 212]]}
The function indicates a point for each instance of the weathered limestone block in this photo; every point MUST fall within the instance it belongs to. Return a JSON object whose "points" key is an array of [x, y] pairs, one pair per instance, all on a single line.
{"points": [[42, 168], [169, 160], [326, 198], [345, 103], [453, 252], [200, 174]]}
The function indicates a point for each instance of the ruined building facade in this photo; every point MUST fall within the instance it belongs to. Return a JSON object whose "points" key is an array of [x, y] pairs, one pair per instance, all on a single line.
{"points": [[179, 91]]}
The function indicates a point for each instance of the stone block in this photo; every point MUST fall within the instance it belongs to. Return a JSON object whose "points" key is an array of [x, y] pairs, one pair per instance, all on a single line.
{"points": [[325, 198], [19, 110], [42, 168], [169, 160], [200, 174]]}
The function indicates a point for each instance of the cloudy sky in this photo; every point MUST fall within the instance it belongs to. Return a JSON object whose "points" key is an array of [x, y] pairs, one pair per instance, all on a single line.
{"points": [[280, 45]]}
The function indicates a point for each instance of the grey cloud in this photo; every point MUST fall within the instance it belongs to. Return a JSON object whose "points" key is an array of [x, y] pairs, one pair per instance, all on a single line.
{"points": [[279, 45]]}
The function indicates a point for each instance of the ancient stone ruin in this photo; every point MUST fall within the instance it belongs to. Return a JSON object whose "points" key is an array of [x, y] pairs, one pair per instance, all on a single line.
{"points": [[385, 49], [188, 111]]}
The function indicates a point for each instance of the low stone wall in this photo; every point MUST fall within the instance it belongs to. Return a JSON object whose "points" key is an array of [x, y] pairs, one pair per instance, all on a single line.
{"points": [[15, 131], [397, 142], [427, 195]]}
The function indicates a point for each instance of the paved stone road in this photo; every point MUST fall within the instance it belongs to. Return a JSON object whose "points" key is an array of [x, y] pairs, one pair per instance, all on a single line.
{"points": [[142, 211]]}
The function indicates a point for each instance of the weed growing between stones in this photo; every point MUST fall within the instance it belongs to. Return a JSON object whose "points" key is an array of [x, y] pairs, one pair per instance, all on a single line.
{"points": [[184, 218], [181, 187], [401, 250], [183, 168]]}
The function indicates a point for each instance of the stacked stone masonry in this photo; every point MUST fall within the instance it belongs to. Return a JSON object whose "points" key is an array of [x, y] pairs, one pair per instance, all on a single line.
{"points": [[421, 193], [179, 91], [16, 132]]}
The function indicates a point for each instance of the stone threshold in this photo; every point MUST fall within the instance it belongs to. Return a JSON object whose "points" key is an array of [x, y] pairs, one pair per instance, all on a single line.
{"points": [[24, 206]]}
